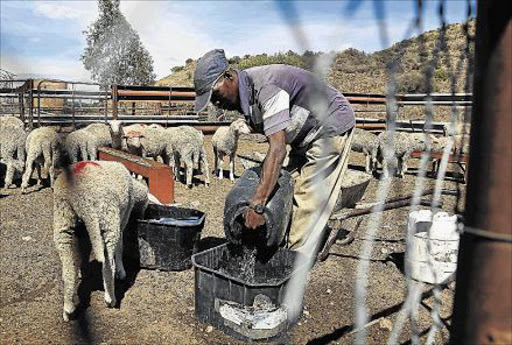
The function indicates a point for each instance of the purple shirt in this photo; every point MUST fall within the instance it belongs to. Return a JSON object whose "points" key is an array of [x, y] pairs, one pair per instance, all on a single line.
{"points": [[281, 97]]}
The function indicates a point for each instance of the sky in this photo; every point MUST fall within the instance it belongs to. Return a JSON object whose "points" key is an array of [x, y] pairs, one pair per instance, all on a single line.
{"points": [[45, 38]]}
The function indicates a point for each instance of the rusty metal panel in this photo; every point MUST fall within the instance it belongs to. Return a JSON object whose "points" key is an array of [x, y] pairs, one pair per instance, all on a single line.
{"points": [[483, 298], [160, 176]]}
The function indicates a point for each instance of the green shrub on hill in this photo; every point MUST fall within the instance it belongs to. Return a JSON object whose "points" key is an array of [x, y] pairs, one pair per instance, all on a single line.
{"points": [[352, 70]]}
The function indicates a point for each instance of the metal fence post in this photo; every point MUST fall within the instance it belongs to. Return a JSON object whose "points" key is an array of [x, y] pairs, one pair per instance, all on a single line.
{"points": [[483, 308], [114, 102]]}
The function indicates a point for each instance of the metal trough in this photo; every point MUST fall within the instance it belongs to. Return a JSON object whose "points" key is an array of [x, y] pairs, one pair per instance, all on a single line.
{"points": [[160, 176]]}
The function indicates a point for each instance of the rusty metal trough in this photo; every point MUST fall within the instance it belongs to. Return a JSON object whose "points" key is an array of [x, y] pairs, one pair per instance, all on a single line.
{"points": [[160, 176]]}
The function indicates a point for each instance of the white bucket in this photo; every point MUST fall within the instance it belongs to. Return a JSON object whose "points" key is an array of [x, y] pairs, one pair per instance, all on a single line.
{"points": [[432, 257]]}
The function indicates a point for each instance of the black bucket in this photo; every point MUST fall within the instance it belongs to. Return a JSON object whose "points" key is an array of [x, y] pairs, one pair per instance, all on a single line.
{"points": [[166, 237], [277, 211]]}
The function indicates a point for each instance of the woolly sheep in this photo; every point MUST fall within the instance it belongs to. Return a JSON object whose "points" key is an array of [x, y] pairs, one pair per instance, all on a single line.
{"points": [[152, 141], [12, 147], [186, 144], [11, 121], [81, 142], [102, 195], [110, 134], [401, 150], [131, 143], [459, 144], [225, 143], [403, 145], [133, 131], [43, 147], [365, 142]]}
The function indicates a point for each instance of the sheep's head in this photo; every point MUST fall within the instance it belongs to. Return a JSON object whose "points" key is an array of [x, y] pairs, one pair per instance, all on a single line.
{"points": [[434, 139], [133, 139], [116, 126], [240, 126], [116, 132], [420, 140]]}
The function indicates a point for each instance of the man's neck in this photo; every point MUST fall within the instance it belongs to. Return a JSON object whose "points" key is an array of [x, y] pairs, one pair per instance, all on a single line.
{"points": [[245, 91]]}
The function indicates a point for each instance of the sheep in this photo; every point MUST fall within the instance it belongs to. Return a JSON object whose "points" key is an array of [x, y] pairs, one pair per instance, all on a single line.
{"points": [[43, 147], [186, 144], [456, 128], [132, 142], [133, 131], [80, 142], [154, 142], [225, 143], [459, 145], [402, 147], [365, 142], [11, 121], [138, 127], [102, 195], [12, 147], [150, 141], [460, 142], [110, 134]]}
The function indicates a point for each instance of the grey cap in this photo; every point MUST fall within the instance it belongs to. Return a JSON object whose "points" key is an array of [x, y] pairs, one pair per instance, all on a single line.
{"points": [[208, 69]]}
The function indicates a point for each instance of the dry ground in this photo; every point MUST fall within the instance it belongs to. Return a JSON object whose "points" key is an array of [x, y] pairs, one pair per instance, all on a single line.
{"points": [[158, 307]]}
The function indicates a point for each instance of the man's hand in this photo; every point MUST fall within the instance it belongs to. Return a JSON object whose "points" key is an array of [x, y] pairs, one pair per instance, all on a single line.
{"points": [[253, 220]]}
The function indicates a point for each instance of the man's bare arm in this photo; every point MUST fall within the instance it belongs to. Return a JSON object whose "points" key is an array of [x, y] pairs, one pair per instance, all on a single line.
{"points": [[271, 166]]}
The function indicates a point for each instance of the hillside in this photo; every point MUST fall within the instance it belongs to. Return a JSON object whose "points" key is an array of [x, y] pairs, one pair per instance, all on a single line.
{"points": [[357, 71]]}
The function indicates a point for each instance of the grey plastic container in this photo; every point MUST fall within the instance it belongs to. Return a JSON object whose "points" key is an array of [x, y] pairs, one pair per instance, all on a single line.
{"points": [[213, 286], [166, 237], [277, 211]]}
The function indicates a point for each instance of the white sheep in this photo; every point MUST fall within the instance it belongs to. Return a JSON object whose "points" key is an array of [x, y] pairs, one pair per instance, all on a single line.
{"points": [[81, 142], [102, 195], [11, 121], [43, 147], [225, 143], [109, 134], [151, 141], [135, 130], [12, 147], [402, 147], [365, 142], [459, 145], [186, 144]]}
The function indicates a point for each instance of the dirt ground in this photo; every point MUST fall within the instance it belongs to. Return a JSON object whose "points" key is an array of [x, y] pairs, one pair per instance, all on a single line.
{"points": [[158, 307]]}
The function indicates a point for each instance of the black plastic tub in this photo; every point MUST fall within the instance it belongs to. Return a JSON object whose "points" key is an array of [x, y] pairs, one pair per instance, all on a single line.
{"points": [[215, 289], [167, 237]]}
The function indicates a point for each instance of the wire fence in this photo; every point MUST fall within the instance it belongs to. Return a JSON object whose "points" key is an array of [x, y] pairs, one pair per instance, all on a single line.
{"points": [[457, 65], [441, 54]]}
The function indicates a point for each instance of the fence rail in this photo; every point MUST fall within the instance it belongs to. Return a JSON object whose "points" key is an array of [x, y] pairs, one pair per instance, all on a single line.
{"points": [[69, 102]]}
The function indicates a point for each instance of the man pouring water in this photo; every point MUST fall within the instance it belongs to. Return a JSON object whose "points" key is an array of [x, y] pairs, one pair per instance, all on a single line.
{"points": [[290, 106]]}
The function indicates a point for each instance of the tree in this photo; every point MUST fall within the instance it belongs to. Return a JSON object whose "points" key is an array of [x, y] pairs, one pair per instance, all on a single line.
{"points": [[114, 53]]}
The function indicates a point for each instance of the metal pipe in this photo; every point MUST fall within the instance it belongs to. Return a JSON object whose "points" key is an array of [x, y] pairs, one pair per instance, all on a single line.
{"points": [[114, 102], [73, 105], [30, 86], [166, 94], [483, 297]]}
